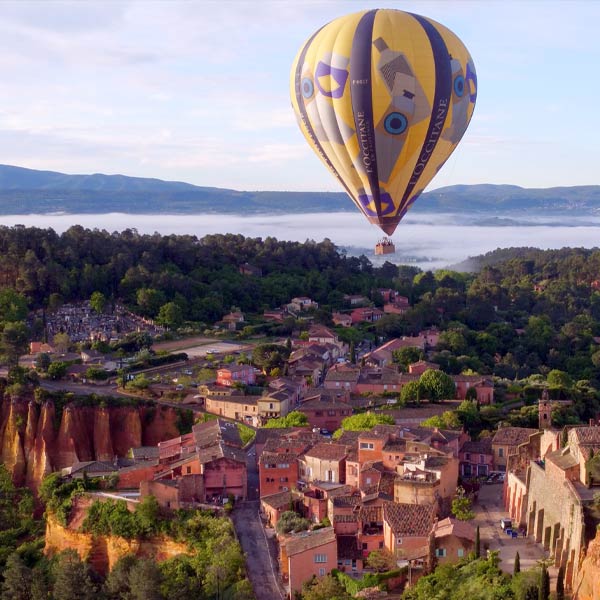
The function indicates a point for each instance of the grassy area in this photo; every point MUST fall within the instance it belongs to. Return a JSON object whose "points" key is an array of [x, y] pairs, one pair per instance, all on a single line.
{"points": [[246, 433]]}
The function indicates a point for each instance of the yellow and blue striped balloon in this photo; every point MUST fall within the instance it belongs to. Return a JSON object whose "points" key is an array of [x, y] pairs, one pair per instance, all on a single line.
{"points": [[383, 97]]}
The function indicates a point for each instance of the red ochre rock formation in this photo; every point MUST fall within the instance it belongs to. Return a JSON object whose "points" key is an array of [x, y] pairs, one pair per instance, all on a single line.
{"points": [[33, 444], [104, 551], [587, 580]]}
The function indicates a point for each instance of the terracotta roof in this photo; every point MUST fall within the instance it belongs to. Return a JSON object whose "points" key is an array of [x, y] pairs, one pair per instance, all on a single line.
{"points": [[324, 451], [220, 450], [563, 459], [587, 436], [93, 466], [409, 519], [145, 453], [513, 436], [450, 526], [346, 501], [343, 375], [279, 500], [322, 402], [353, 518], [482, 446], [307, 540], [206, 434]]}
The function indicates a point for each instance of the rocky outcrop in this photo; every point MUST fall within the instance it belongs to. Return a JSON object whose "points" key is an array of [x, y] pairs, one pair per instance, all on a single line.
{"points": [[102, 551], [587, 581], [34, 442]]}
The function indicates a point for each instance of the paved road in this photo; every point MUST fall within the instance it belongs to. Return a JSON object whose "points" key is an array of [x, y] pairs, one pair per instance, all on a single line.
{"points": [[489, 510], [259, 550]]}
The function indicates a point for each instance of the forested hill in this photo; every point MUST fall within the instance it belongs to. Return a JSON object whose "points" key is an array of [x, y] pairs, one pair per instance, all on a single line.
{"points": [[24, 191], [533, 258]]}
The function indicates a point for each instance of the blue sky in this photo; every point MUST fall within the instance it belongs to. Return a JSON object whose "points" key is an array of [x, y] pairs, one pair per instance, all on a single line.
{"points": [[198, 91]]}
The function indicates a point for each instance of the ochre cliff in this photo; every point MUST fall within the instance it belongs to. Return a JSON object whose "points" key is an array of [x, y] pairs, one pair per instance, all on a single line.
{"points": [[34, 443], [587, 580], [102, 551]]}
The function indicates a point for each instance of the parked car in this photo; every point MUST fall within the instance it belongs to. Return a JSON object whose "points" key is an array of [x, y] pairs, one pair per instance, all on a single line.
{"points": [[506, 524]]}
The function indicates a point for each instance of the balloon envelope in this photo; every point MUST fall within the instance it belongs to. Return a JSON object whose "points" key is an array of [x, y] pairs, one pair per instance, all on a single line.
{"points": [[383, 97]]}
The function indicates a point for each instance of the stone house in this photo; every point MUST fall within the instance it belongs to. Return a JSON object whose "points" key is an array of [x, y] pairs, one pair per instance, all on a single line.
{"points": [[476, 458], [307, 554], [506, 442], [238, 408], [325, 412], [407, 531], [324, 462], [231, 374], [453, 540]]}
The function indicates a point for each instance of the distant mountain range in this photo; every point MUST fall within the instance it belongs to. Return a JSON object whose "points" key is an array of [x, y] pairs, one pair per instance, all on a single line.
{"points": [[26, 191]]}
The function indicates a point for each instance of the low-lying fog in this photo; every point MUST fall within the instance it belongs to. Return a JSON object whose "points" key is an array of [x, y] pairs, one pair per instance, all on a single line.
{"points": [[427, 240]]}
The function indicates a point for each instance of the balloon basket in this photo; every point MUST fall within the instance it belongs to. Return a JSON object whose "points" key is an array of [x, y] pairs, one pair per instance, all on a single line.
{"points": [[385, 246]]}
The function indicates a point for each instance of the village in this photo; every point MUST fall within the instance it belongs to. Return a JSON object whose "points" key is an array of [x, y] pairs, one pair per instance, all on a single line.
{"points": [[384, 493]]}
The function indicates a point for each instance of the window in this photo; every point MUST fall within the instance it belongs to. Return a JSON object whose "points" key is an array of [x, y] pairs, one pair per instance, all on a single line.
{"points": [[283, 466], [380, 545], [365, 546], [367, 445], [461, 552], [500, 452], [368, 481], [481, 459], [270, 406], [283, 479], [318, 413], [320, 558], [321, 572], [399, 542], [188, 469], [440, 552], [467, 456], [331, 413]]}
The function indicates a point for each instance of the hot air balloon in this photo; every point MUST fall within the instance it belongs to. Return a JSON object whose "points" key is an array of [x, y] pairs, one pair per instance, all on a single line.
{"points": [[383, 97]]}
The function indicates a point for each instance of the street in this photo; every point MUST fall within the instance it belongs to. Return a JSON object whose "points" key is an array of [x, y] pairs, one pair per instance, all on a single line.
{"points": [[260, 550]]}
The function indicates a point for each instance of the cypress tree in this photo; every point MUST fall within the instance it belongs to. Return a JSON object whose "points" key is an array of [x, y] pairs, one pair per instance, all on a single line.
{"points": [[352, 353], [517, 566], [560, 584], [477, 543], [544, 589], [532, 593]]}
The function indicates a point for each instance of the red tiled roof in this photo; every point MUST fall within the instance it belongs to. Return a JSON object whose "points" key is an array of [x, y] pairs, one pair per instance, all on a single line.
{"points": [[512, 436], [409, 519], [307, 540], [326, 451], [449, 526]]}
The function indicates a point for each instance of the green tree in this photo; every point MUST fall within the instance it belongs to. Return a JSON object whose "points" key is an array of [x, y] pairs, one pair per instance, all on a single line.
{"points": [[352, 353], [42, 362], [145, 581], [477, 543], [292, 419], [72, 580], [406, 356], [116, 584], [462, 506], [269, 356], [410, 392], [98, 302], [57, 370], [61, 342], [437, 385], [13, 306], [170, 315], [324, 588], [17, 579], [517, 565], [13, 341], [365, 421], [382, 560], [148, 513], [557, 378]]}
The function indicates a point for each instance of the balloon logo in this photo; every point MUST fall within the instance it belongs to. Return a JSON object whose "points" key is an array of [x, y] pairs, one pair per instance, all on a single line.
{"points": [[383, 97]]}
